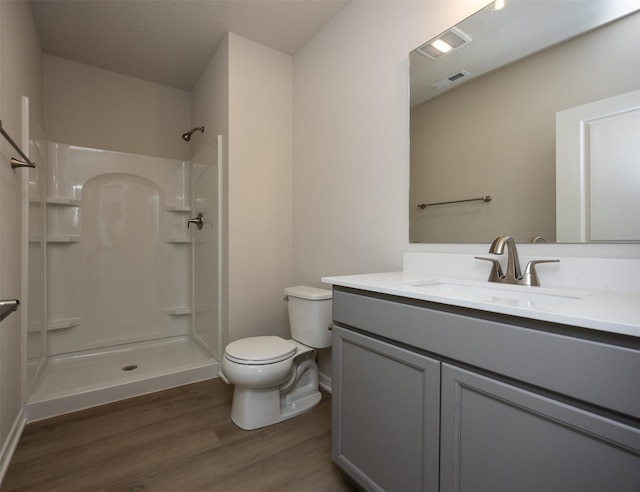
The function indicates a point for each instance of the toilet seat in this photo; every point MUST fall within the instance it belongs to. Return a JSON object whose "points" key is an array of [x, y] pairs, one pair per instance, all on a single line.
{"points": [[259, 350]]}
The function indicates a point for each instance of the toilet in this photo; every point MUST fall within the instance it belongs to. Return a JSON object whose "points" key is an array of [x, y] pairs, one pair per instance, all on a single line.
{"points": [[277, 379]]}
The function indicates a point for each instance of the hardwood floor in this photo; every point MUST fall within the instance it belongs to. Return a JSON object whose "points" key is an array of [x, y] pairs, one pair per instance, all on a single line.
{"points": [[180, 439]]}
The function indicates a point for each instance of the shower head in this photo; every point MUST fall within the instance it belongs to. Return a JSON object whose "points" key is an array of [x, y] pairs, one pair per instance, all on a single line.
{"points": [[187, 136]]}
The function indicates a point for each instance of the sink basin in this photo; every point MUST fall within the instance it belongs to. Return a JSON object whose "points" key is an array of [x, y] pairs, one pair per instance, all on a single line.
{"points": [[506, 294]]}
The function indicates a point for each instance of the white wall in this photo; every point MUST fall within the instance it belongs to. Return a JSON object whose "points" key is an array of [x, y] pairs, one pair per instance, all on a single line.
{"points": [[259, 188], [245, 94], [99, 109], [20, 74], [351, 136]]}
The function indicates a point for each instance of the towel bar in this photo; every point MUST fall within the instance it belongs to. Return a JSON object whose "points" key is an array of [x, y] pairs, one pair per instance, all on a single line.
{"points": [[7, 307], [485, 198], [16, 162]]}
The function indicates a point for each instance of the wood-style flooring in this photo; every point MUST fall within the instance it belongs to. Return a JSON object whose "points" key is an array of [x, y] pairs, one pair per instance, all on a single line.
{"points": [[180, 439]]}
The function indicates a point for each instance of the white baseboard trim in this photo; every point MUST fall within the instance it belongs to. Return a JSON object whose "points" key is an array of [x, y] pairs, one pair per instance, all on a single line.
{"points": [[11, 443], [325, 382]]}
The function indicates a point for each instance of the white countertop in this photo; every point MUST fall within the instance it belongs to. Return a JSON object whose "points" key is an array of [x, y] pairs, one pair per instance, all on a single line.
{"points": [[603, 310]]}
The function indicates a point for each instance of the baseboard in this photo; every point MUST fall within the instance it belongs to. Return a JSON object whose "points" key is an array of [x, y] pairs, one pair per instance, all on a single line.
{"points": [[325, 382], [10, 445]]}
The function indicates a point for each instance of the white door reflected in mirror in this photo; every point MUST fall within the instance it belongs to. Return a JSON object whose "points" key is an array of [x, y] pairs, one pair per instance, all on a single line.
{"points": [[598, 170]]}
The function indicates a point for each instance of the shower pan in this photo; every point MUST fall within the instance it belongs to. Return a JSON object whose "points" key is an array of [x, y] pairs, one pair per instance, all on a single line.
{"points": [[132, 291]]}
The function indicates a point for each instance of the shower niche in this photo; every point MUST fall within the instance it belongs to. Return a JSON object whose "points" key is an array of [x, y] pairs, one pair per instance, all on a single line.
{"points": [[119, 256]]}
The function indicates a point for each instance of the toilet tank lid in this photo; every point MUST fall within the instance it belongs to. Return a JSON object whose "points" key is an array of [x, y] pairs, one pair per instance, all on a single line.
{"points": [[306, 292]]}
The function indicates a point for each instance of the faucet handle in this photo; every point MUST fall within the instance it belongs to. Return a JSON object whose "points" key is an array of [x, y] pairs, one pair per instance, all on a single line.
{"points": [[530, 276], [496, 270]]}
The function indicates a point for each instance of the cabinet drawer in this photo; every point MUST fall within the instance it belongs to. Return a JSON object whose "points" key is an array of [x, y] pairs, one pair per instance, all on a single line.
{"points": [[592, 371]]}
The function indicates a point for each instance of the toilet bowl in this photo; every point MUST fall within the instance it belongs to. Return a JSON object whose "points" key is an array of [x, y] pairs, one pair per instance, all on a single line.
{"points": [[277, 379]]}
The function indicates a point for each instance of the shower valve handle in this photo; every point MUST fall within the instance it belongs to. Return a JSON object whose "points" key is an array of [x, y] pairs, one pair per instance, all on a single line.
{"points": [[198, 221]]}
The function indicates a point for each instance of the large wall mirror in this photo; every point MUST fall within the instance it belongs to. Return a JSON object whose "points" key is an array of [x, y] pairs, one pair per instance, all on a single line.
{"points": [[484, 144]]}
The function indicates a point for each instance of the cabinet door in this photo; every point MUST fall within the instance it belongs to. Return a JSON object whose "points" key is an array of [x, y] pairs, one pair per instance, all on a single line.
{"points": [[385, 414], [497, 437]]}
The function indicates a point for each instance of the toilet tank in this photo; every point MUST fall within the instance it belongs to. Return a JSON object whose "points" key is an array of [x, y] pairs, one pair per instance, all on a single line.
{"points": [[310, 315]]}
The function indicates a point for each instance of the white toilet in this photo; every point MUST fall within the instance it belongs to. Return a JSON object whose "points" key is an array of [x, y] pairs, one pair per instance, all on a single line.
{"points": [[276, 379]]}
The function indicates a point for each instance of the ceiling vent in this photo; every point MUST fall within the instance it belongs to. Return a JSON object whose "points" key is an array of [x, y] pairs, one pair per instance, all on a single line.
{"points": [[454, 38], [451, 79]]}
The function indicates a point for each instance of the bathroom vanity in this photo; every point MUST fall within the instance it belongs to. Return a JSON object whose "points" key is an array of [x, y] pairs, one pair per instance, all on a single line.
{"points": [[446, 393]]}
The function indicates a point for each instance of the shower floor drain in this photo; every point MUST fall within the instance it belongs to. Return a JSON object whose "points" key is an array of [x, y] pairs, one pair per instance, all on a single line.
{"points": [[130, 367]]}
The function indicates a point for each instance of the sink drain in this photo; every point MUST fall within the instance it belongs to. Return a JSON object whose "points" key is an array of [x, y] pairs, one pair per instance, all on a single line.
{"points": [[130, 367]]}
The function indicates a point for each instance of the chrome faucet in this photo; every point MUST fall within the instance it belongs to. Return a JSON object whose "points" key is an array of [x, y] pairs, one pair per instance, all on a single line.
{"points": [[536, 239], [514, 274]]}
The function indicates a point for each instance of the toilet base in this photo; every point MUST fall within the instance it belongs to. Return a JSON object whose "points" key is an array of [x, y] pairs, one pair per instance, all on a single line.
{"points": [[271, 411], [253, 408]]}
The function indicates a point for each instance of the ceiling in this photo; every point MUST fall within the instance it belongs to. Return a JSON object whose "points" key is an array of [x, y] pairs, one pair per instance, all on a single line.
{"points": [[171, 41], [522, 28]]}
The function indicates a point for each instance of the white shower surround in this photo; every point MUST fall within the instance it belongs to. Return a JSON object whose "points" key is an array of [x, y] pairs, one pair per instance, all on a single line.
{"points": [[119, 248], [118, 280]]}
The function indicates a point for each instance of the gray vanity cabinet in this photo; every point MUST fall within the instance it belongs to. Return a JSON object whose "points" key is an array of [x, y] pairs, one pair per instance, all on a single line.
{"points": [[498, 437], [433, 397], [386, 402]]}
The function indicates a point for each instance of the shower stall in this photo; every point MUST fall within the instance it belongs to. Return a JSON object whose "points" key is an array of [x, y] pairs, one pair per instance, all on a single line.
{"points": [[130, 274]]}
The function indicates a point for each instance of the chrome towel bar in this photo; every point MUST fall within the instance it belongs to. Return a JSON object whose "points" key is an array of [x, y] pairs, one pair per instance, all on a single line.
{"points": [[16, 162], [485, 198]]}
